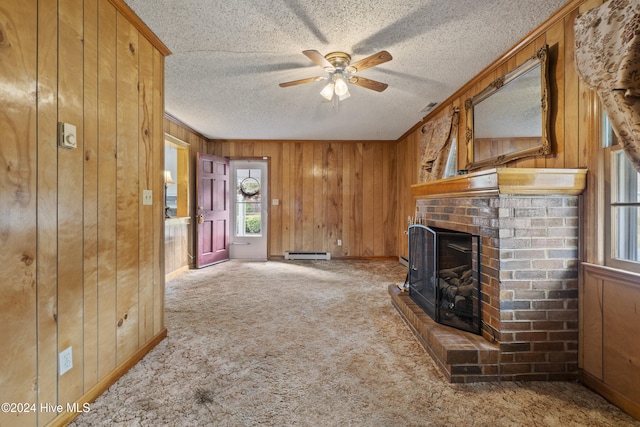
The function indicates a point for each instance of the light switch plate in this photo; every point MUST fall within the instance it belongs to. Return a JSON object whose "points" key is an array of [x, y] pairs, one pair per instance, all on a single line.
{"points": [[275, 202], [147, 197]]}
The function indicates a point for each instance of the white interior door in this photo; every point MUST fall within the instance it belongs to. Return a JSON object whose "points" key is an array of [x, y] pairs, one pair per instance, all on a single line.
{"points": [[249, 209]]}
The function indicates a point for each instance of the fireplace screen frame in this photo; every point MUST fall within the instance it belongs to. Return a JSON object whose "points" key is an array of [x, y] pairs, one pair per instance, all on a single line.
{"points": [[434, 256]]}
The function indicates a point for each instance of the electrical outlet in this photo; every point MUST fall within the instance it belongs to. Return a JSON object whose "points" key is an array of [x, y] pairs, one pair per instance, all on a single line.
{"points": [[147, 197], [339, 242], [65, 360]]}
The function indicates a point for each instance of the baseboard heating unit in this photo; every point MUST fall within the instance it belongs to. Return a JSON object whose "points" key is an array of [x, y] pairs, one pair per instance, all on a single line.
{"points": [[307, 255]]}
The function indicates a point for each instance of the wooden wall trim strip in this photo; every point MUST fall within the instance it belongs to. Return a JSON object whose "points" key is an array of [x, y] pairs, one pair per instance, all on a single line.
{"points": [[139, 25], [66, 417], [627, 278]]}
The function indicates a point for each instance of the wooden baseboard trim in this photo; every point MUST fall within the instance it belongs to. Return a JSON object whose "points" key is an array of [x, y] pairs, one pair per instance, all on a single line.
{"points": [[66, 417], [621, 401], [175, 273]]}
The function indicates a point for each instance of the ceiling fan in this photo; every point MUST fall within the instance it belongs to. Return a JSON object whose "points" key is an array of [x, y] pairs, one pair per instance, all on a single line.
{"points": [[340, 71]]}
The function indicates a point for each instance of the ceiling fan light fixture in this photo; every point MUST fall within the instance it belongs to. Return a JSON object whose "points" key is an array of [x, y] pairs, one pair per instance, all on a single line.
{"points": [[327, 91], [344, 96], [341, 87], [338, 66]]}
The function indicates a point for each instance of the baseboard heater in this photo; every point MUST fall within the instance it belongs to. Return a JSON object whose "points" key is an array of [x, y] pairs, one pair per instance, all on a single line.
{"points": [[307, 255]]}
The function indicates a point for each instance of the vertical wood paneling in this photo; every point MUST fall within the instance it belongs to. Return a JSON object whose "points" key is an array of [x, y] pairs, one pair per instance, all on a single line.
{"points": [[318, 195], [47, 259], [107, 152], [621, 321], [379, 198], [306, 195], [90, 195], [328, 190], [591, 336], [347, 199], [18, 197], [70, 198], [389, 180], [368, 199], [571, 98], [334, 197], [58, 226], [357, 183], [404, 202], [286, 204], [157, 178], [145, 173], [127, 188], [556, 42], [170, 249], [275, 186]]}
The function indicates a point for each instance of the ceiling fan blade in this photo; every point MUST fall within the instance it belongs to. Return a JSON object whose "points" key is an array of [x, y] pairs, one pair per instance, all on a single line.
{"points": [[301, 81], [367, 83], [319, 59], [370, 61]]}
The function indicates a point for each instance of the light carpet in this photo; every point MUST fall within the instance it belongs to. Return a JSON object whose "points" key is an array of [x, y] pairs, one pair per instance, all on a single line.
{"points": [[314, 343]]}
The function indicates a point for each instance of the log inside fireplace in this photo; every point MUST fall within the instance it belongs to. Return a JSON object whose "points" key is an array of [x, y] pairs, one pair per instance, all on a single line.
{"points": [[443, 277]]}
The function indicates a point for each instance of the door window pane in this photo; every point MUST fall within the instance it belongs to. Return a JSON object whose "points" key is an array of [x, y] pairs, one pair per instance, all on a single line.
{"points": [[248, 203]]}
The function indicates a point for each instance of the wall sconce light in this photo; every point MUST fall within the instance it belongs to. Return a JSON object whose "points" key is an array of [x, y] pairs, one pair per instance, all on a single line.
{"points": [[168, 180]]}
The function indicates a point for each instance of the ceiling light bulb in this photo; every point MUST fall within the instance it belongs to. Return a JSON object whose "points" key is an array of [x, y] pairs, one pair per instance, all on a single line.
{"points": [[341, 87], [345, 96], [327, 92]]}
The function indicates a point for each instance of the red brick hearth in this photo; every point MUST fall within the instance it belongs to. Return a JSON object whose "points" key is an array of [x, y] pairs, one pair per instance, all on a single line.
{"points": [[528, 223]]}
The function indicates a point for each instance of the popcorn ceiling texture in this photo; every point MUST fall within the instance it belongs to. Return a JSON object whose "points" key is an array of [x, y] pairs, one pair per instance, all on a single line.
{"points": [[228, 58], [314, 343]]}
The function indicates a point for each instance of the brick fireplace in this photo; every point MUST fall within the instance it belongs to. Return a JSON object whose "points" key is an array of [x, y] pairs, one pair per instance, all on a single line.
{"points": [[529, 226]]}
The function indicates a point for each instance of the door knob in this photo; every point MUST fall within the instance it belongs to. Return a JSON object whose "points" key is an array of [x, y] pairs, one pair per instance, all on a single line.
{"points": [[200, 219]]}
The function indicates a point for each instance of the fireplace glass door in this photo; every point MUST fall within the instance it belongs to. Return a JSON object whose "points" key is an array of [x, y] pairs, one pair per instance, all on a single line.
{"points": [[443, 278]]}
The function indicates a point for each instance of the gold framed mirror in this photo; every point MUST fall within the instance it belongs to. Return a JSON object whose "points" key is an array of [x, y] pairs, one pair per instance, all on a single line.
{"points": [[509, 119]]}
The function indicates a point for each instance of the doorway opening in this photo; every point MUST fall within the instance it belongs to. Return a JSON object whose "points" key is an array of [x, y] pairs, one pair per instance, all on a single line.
{"points": [[249, 209]]}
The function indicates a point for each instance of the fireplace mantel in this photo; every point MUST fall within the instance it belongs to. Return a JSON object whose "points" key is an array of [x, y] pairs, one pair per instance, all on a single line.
{"points": [[533, 181]]}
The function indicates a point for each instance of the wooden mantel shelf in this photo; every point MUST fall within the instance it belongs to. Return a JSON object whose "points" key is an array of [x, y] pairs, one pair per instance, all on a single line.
{"points": [[533, 181]]}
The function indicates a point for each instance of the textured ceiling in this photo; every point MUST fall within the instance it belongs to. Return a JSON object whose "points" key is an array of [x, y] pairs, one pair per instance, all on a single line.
{"points": [[229, 56]]}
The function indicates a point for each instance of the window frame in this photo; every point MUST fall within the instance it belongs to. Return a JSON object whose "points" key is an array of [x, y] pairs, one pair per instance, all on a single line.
{"points": [[612, 148]]}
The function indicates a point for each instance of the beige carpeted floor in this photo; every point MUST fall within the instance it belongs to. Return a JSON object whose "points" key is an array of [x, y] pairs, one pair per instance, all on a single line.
{"points": [[314, 343]]}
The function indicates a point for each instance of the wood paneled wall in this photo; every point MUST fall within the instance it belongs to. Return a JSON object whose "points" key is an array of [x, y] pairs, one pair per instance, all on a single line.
{"points": [[82, 259], [573, 136], [176, 246], [327, 191]]}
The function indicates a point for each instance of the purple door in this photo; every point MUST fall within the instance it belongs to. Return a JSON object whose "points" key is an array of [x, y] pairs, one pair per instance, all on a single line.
{"points": [[212, 213]]}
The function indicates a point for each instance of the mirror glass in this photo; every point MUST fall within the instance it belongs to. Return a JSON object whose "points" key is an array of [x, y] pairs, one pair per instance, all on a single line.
{"points": [[508, 119]]}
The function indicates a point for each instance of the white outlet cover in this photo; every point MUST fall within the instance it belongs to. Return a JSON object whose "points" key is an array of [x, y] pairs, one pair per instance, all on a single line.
{"points": [[65, 360]]}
